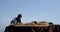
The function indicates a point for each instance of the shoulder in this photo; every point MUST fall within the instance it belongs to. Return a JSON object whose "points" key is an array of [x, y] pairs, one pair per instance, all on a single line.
{"points": [[15, 18]]}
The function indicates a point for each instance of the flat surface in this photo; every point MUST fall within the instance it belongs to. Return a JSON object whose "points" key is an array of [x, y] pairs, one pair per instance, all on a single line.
{"points": [[36, 25], [55, 28]]}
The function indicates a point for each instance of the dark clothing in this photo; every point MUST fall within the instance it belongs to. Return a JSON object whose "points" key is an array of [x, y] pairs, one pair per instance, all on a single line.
{"points": [[16, 20]]}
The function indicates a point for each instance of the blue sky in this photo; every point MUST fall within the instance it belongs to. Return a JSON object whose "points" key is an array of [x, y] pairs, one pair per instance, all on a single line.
{"points": [[38, 10]]}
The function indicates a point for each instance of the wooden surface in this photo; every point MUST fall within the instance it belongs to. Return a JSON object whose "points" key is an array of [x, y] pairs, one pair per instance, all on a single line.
{"points": [[32, 24], [54, 28]]}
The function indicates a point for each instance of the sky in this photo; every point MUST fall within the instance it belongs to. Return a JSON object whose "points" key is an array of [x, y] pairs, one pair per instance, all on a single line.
{"points": [[31, 10]]}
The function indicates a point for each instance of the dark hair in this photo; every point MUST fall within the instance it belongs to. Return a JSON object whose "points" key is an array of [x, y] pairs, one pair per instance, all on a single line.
{"points": [[35, 22], [50, 23], [19, 15]]}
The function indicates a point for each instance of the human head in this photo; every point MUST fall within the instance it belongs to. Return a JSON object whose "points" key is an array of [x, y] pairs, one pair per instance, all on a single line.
{"points": [[50, 23], [35, 22], [19, 16]]}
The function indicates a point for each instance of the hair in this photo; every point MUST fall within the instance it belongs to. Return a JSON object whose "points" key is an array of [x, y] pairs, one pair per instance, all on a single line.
{"points": [[35, 22], [19, 15]]}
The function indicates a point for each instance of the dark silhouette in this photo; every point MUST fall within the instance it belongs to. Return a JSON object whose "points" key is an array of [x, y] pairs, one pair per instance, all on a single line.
{"points": [[55, 28], [34, 28], [50, 23], [17, 19], [35, 22]]}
